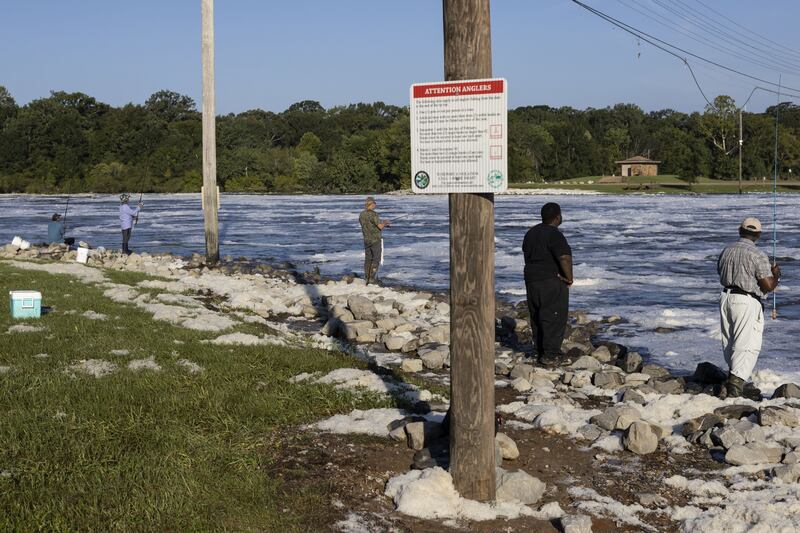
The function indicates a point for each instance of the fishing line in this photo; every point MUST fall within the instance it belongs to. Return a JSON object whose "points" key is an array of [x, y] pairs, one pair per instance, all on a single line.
{"points": [[775, 200]]}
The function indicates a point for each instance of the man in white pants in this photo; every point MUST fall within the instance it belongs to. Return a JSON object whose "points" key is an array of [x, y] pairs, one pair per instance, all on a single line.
{"points": [[746, 275]]}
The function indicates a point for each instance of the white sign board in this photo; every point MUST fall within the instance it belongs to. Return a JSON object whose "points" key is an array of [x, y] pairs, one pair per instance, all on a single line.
{"points": [[459, 136]]}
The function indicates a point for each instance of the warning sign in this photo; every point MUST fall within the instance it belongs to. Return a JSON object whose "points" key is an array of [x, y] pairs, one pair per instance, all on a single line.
{"points": [[459, 136]]}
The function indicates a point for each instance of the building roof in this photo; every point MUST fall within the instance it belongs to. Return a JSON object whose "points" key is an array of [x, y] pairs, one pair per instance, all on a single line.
{"points": [[638, 159]]}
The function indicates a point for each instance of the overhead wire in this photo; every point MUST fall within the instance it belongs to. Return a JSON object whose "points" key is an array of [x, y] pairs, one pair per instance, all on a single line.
{"points": [[662, 45]]}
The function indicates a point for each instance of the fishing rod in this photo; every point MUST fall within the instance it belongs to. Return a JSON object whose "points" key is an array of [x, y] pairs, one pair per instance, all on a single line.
{"points": [[141, 193], [775, 200], [66, 209], [398, 218]]}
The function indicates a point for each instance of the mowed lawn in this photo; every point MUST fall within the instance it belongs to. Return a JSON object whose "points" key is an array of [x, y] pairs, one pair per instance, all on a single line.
{"points": [[143, 449], [665, 184]]}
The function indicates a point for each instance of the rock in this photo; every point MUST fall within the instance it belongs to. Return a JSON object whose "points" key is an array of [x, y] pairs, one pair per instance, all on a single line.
{"points": [[501, 368], [660, 431], [590, 432], [778, 416], [581, 378], [735, 411], [521, 385], [637, 378], [386, 324], [607, 380], [640, 438], [434, 358], [627, 416], [631, 395], [518, 486], [791, 458], [395, 342], [787, 473], [368, 336], [742, 455], [668, 386], [787, 390], [410, 346], [727, 437], [522, 370], [586, 362], [517, 325], [331, 327], [443, 308], [648, 499], [701, 423], [566, 377], [751, 432], [411, 365], [701, 438], [362, 308], [398, 434], [774, 452], [709, 373], [751, 392], [540, 382], [355, 328], [630, 362], [576, 524], [607, 419], [507, 446], [655, 371], [418, 433], [423, 460], [438, 334], [602, 354]]}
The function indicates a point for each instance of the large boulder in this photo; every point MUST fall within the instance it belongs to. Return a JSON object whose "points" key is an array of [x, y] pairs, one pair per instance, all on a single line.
{"points": [[787, 390], [586, 362], [775, 415], [727, 437], [353, 329], [434, 357], [640, 438], [655, 371], [362, 308], [735, 411], [522, 370], [576, 523], [630, 362], [518, 486], [742, 455], [437, 334], [602, 354], [607, 380], [507, 446], [607, 419], [701, 423]]}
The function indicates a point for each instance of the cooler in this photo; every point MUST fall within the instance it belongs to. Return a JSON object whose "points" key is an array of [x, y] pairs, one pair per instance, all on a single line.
{"points": [[25, 304]]}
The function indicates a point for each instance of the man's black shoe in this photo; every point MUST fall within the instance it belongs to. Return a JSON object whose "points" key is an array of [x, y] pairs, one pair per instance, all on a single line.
{"points": [[550, 360]]}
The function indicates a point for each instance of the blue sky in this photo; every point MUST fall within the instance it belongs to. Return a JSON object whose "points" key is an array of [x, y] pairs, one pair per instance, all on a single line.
{"points": [[271, 54]]}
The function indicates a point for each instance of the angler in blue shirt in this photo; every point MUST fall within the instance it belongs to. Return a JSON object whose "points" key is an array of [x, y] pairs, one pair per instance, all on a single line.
{"points": [[56, 229], [126, 218]]}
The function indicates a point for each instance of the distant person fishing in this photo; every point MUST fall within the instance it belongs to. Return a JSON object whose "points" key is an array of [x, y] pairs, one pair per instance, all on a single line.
{"points": [[372, 227], [57, 228], [127, 215], [746, 275]]}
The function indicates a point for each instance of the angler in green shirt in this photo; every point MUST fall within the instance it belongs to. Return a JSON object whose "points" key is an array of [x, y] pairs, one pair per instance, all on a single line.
{"points": [[371, 227]]}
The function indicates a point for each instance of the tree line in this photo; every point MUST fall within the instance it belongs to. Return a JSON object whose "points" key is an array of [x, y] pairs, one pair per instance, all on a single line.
{"points": [[70, 142]]}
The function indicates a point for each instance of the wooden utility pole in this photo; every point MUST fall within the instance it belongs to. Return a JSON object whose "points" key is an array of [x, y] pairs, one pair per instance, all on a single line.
{"points": [[209, 136], [468, 55], [740, 150]]}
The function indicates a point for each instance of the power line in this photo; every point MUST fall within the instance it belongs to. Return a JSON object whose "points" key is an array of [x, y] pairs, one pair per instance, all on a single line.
{"points": [[712, 27], [650, 38], [757, 35], [755, 59]]}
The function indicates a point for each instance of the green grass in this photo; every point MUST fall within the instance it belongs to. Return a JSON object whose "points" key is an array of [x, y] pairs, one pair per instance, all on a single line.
{"points": [[146, 450], [665, 184]]}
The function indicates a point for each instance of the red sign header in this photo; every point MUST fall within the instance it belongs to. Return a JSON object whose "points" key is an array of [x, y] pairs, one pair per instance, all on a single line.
{"points": [[458, 88]]}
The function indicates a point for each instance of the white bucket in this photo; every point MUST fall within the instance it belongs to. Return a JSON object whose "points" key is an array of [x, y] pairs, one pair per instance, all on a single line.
{"points": [[16, 242], [83, 255], [24, 245]]}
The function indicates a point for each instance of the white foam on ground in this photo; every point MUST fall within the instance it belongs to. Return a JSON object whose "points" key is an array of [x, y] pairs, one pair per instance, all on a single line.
{"points": [[190, 366], [24, 328], [370, 422], [92, 315], [149, 363], [94, 367], [592, 502]]}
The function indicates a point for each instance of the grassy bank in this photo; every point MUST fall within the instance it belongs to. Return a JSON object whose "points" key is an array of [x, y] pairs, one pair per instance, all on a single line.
{"points": [[666, 184], [176, 448]]}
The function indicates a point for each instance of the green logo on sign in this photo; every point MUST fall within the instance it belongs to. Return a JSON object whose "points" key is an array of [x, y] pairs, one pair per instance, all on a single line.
{"points": [[421, 179], [495, 179]]}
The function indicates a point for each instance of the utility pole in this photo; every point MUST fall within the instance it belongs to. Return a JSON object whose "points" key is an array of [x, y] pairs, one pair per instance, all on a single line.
{"points": [[209, 193], [468, 55], [740, 150]]}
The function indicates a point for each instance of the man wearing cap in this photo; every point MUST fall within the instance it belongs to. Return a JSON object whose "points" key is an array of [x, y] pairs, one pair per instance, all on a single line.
{"points": [[56, 229], [745, 275], [371, 227], [548, 277], [126, 216]]}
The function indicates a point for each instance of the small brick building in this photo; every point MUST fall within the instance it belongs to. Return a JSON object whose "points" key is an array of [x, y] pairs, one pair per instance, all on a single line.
{"points": [[638, 166]]}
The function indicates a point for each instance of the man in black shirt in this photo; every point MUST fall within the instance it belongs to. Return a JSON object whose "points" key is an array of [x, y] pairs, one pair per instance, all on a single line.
{"points": [[548, 276]]}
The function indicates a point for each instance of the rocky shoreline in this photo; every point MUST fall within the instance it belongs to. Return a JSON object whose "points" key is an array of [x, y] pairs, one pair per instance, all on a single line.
{"points": [[608, 400]]}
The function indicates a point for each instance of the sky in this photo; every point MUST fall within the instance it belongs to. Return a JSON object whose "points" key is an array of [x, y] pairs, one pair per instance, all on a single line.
{"points": [[270, 54]]}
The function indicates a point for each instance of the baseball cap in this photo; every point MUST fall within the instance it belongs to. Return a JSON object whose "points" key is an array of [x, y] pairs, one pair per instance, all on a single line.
{"points": [[751, 224], [369, 200]]}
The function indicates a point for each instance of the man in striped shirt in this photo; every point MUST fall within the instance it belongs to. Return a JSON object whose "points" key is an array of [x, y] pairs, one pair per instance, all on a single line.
{"points": [[745, 275]]}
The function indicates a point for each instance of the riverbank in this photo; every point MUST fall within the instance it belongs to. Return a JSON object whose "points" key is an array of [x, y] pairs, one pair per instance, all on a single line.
{"points": [[613, 436]]}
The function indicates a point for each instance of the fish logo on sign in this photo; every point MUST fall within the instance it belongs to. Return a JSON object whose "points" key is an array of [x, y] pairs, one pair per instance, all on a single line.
{"points": [[495, 179], [421, 179]]}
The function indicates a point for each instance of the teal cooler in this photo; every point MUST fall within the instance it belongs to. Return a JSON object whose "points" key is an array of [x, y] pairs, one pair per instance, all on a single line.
{"points": [[25, 304]]}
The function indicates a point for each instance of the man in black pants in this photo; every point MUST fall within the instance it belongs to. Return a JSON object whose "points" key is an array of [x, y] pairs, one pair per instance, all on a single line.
{"points": [[548, 276]]}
